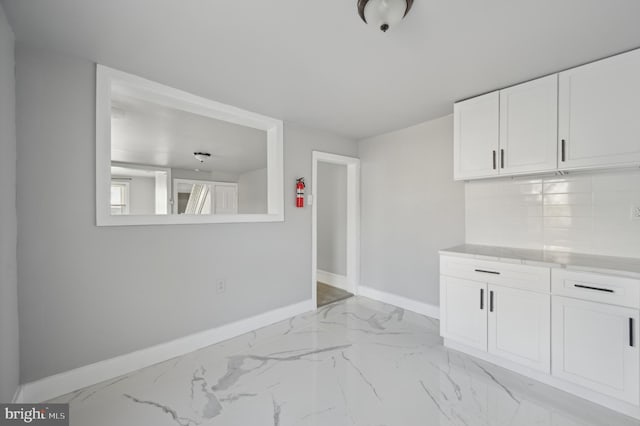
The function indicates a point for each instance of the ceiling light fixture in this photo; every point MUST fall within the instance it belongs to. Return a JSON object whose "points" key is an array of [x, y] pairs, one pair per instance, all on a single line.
{"points": [[202, 156], [383, 14]]}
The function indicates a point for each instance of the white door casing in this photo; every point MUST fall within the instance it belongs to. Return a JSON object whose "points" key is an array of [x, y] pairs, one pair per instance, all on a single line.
{"points": [[353, 219]]}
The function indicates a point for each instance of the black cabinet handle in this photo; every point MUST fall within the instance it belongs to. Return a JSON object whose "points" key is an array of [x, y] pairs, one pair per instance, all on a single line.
{"points": [[502, 158], [564, 150], [606, 290], [481, 298], [494, 159], [484, 271], [631, 332], [491, 301]]}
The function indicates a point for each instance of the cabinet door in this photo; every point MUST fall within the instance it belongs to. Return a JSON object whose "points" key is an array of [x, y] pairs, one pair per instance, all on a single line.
{"points": [[463, 315], [520, 327], [475, 137], [596, 346], [529, 127], [599, 113]]}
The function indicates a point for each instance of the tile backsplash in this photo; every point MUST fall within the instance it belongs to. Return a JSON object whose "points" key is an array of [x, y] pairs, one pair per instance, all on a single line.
{"points": [[585, 213]]}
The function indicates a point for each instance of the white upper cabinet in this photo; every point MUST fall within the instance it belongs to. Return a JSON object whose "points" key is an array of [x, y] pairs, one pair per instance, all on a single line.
{"points": [[585, 117], [512, 131], [476, 137], [599, 113], [529, 127]]}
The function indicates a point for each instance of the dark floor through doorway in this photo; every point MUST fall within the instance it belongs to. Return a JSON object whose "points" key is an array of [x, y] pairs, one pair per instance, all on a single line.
{"points": [[329, 294]]}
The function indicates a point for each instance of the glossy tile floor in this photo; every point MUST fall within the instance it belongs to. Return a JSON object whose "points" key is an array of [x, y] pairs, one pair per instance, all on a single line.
{"points": [[354, 362]]}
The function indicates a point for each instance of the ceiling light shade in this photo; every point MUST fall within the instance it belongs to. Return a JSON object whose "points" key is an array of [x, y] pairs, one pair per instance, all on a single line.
{"points": [[383, 14], [202, 156]]}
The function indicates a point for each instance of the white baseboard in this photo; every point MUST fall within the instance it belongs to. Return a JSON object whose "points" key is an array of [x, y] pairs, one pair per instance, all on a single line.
{"points": [[422, 308], [332, 279], [69, 381]]}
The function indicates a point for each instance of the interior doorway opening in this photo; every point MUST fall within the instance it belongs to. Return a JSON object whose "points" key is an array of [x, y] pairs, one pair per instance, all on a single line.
{"points": [[335, 227]]}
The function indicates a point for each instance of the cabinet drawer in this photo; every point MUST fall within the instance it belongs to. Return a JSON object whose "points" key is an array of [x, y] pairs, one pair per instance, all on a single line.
{"points": [[515, 275], [597, 287]]}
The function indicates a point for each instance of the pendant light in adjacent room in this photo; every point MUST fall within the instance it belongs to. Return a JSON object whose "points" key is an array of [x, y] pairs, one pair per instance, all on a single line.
{"points": [[202, 156], [383, 14]]}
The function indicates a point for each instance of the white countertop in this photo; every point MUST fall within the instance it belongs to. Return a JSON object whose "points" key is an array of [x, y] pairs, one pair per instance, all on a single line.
{"points": [[555, 259]]}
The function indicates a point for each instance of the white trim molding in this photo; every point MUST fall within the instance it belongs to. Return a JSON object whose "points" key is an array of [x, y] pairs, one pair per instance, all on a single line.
{"points": [[69, 381], [353, 219], [422, 308], [108, 79], [335, 280]]}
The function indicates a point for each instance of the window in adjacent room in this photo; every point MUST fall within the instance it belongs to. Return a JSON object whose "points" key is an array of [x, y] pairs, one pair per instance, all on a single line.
{"points": [[119, 198]]}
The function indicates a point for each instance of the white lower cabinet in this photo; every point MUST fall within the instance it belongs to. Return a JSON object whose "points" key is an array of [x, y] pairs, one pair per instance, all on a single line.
{"points": [[595, 345], [520, 327], [508, 322], [575, 330], [464, 316]]}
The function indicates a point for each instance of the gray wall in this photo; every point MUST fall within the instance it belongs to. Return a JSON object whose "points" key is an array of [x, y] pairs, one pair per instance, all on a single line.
{"points": [[74, 308], [9, 358], [252, 192], [332, 218], [411, 208]]}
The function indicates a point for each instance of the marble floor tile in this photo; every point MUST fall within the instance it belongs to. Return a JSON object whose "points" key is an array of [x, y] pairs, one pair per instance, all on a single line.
{"points": [[354, 362]]}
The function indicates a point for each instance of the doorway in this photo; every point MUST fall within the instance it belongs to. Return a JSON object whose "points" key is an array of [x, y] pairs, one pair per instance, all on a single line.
{"points": [[336, 212]]}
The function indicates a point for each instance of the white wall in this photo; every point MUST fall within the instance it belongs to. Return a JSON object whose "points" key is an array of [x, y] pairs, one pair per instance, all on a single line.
{"points": [[252, 192], [9, 357], [587, 213], [74, 308], [332, 218], [411, 208]]}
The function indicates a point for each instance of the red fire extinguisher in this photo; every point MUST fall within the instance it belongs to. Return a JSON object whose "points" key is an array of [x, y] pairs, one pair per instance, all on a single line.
{"points": [[300, 192]]}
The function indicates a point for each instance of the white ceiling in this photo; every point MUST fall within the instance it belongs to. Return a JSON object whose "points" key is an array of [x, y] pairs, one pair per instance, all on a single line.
{"points": [[146, 133], [316, 63]]}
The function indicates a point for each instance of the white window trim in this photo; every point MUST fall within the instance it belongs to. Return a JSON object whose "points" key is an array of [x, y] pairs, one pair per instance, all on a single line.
{"points": [[126, 195], [171, 97]]}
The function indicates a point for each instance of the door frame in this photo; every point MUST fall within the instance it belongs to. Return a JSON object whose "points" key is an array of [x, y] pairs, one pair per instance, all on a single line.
{"points": [[353, 219]]}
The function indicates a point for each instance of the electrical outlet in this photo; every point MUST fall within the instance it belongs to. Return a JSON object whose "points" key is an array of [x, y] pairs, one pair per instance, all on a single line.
{"points": [[221, 286]]}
